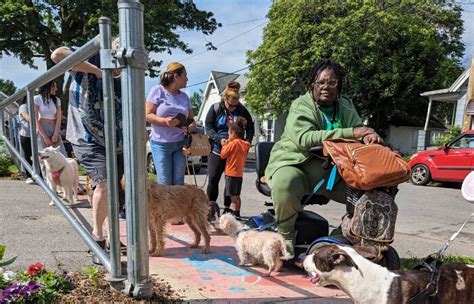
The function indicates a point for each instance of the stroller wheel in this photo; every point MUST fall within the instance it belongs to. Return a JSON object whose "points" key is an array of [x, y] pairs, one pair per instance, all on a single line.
{"points": [[390, 259]]}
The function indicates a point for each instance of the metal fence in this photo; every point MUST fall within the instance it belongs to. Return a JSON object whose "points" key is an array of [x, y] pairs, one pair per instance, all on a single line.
{"points": [[132, 59]]}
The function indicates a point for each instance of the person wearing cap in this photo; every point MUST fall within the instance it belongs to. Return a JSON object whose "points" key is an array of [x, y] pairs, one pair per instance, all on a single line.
{"points": [[164, 104], [85, 131]]}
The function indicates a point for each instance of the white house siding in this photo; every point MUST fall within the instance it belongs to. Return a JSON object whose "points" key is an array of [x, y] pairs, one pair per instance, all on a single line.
{"points": [[211, 99], [460, 108]]}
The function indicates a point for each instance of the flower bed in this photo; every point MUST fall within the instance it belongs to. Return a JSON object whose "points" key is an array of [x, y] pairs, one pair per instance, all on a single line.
{"points": [[36, 285]]}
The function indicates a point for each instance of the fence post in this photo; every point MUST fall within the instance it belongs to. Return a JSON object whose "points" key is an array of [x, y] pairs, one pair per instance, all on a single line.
{"points": [[115, 276], [33, 135], [134, 56]]}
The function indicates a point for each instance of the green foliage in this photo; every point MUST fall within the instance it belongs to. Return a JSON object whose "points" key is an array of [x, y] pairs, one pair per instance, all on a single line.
{"points": [[7, 87], [409, 263], [30, 28], [452, 132], [392, 51], [196, 101], [5, 262], [5, 159], [93, 273]]}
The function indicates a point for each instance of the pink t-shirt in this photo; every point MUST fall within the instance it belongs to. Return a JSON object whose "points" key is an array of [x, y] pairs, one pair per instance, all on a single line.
{"points": [[168, 105]]}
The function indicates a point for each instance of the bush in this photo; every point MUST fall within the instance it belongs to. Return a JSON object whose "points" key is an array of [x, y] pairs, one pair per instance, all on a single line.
{"points": [[5, 159], [452, 132]]}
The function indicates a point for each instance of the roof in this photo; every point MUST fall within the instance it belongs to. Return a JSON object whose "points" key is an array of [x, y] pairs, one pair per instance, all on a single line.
{"points": [[222, 79], [449, 93]]}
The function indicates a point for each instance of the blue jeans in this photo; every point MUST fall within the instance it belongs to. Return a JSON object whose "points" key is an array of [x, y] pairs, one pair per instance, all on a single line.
{"points": [[169, 162]]}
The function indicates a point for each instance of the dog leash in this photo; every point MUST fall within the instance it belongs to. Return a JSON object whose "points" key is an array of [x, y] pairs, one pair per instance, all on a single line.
{"points": [[433, 264]]}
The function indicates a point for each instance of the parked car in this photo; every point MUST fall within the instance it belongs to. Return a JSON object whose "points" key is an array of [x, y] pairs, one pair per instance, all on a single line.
{"points": [[193, 162], [451, 163]]}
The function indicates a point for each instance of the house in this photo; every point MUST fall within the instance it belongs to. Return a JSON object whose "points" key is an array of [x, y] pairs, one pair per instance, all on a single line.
{"points": [[455, 94]]}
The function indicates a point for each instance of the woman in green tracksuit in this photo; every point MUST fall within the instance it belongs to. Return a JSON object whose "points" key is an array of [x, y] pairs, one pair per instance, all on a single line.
{"points": [[319, 114]]}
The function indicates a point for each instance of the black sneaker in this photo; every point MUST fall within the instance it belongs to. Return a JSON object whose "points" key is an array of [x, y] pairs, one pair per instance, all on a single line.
{"points": [[95, 259]]}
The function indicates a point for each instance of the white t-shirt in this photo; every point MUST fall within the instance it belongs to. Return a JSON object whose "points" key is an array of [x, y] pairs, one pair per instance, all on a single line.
{"points": [[24, 125], [47, 110]]}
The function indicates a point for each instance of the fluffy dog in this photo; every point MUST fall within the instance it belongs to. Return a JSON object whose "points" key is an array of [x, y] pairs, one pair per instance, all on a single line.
{"points": [[61, 172], [175, 203], [255, 247], [367, 282]]}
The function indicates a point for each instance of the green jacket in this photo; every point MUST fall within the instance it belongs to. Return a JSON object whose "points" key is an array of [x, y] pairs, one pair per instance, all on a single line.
{"points": [[303, 130]]}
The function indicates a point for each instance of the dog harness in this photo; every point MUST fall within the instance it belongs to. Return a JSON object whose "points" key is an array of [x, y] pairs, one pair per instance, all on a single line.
{"points": [[55, 176]]}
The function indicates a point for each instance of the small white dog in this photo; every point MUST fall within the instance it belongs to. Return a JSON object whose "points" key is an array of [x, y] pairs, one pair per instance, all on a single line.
{"points": [[255, 247], [61, 172]]}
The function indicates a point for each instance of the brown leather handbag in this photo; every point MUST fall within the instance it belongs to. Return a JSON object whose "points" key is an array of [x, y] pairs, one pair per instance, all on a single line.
{"points": [[364, 166]]}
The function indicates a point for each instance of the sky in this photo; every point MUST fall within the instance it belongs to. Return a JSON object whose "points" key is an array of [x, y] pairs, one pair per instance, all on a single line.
{"points": [[243, 22]]}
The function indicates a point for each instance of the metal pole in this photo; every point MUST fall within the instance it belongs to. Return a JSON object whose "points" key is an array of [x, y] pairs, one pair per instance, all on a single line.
{"points": [[428, 114], [80, 55], [33, 136], [132, 43], [115, 276]]}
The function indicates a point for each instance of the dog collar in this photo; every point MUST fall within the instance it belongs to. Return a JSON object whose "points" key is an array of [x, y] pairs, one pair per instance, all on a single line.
{"points": [[55, 176]]}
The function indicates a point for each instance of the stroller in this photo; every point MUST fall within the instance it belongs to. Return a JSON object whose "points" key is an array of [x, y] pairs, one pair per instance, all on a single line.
{"points": [[313, 229]]}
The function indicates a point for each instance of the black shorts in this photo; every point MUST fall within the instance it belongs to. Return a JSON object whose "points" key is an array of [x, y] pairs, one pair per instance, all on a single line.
{"points": [[233, 185]]}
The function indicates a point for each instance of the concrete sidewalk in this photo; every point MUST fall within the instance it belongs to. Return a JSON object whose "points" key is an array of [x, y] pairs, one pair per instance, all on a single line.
{"points": [[37, 232]]}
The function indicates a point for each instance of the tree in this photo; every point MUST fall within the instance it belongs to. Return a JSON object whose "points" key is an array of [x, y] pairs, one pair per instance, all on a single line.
{"points": [[196, 101], [392, 51], [7, 87], [34, 28]]}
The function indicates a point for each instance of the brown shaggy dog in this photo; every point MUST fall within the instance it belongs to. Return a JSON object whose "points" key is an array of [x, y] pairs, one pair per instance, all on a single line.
{"points": [[174, 203]]}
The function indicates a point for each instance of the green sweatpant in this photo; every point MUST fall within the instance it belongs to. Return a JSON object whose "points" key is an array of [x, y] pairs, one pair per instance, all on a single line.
{"points": [[290, 183]]}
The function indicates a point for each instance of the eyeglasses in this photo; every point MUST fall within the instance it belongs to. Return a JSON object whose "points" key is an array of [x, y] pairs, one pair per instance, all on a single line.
{"points": [[331, 83]]}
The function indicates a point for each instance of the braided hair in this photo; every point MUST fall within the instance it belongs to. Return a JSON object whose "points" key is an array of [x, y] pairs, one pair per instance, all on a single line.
{"points": [[322, 65]]}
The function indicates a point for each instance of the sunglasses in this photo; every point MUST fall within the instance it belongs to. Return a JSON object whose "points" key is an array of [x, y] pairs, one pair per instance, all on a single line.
{"points": [[332, 83]]}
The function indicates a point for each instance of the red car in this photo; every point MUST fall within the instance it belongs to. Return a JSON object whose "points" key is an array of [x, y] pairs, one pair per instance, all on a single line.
{"points": [[450, 163]]}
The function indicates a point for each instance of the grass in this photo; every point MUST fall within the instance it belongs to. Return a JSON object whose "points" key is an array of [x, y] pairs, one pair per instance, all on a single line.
{"points": [[81, 170], [409, 263]]}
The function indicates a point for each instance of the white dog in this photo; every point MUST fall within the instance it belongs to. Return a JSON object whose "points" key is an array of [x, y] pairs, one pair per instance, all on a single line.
{"points": [[368, 283], [255, 247], [61, 172]]}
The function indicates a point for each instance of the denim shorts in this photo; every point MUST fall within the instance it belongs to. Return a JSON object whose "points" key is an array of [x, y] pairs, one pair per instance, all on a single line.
{"points": [[92, 158]]}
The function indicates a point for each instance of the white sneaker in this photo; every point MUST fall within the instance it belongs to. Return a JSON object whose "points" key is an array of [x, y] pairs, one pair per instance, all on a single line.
{"points": [[52, 203], [30, 181]]}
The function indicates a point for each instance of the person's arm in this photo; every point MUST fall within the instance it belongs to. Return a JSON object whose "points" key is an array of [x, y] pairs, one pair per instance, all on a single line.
{"points": [[226, 149], [152, 118], [250, 128], [210, 123], [84, 67], [57, 128], [43, 134]]}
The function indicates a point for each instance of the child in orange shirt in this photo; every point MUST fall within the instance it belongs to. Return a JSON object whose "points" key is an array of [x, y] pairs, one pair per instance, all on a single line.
{"points": [[235, 151]]}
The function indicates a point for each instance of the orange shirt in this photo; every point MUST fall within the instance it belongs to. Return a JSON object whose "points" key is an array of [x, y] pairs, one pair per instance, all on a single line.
{"points": [[236, 153]]}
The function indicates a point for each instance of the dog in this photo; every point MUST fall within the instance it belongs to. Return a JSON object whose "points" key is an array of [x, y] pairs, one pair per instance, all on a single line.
{"points": [[61, 172], [255, 247], [214, 212], [366, 282], [89, 190], [175, 203]]}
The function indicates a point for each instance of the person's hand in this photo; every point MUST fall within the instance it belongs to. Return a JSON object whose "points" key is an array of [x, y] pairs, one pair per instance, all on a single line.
{"points": [[48, 141], [55, 138], [373, 138], [223, 142], [171, 122], [360, 132]]}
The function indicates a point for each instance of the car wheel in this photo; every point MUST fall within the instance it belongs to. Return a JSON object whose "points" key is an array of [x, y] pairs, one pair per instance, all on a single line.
{"points": [[420, 175], [150, 165]]}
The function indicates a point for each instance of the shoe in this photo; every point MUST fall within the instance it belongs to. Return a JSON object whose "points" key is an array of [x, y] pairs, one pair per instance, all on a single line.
{"points": [[227, 210], [30, 181], [52, 203], [290, 249], [122, 215], [102, 244]]}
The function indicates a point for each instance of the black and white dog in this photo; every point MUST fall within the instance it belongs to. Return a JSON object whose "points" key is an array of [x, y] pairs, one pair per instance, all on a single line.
{"points": [[366, 282]]}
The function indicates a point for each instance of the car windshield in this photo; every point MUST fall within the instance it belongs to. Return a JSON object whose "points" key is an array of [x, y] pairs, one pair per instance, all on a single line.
{"points": [[464, 142]]}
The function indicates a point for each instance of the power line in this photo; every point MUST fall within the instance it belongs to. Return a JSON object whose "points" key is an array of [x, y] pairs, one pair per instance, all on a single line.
{"points": [[222, 43]]}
